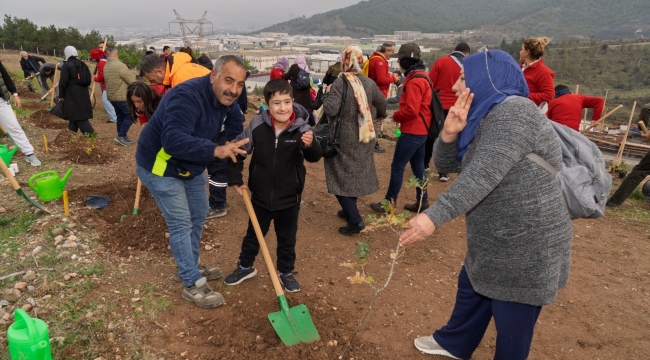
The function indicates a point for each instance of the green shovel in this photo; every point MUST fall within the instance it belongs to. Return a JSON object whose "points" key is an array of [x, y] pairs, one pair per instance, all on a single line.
{"points": [[19, 190], [293, 325]]}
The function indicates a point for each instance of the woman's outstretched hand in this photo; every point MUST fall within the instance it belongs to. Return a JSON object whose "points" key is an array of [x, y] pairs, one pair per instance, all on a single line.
{"points": [[421, 227], [457, 117]]}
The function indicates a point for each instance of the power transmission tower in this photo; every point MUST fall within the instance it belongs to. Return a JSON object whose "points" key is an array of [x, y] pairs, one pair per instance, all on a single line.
{"points": [[199, 43]]}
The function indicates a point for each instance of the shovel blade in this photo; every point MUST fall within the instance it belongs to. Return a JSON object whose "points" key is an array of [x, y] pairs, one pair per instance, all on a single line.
{"points": [[293, 325], [20, 192]]}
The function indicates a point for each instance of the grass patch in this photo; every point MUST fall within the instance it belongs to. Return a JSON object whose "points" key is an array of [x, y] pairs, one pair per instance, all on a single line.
{"points": [[22, 112], [633, 213], [95, 269]]}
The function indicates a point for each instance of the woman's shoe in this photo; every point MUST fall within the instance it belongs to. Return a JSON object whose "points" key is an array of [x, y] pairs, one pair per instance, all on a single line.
{"points": [[352, 229]]}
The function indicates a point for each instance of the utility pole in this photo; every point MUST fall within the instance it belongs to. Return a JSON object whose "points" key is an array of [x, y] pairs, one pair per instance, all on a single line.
{"points": [[199, 44]]}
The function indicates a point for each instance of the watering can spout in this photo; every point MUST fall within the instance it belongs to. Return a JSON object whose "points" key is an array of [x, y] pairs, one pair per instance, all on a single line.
{"points": [[12, 152], [65, 178]]}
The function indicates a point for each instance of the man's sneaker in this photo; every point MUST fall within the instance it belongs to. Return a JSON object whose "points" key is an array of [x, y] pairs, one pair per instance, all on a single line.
{"points": [[352, 229], [415, 207], [212, 273], [240, 274], [111, 121], [379, 149], [129, 140], [428, 345], [202, 295], [120, 140], [443, 177], [33, 160], [290, 283], [215, 213], [377, 207]]}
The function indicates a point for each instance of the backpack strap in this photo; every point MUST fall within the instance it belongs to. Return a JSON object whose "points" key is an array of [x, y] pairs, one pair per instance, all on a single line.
{"points": [[543, 163]]}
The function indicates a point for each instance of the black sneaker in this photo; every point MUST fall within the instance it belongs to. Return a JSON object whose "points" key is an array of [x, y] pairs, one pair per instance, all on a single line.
{"points": [[240, 274], [442, 177], [377, 207], [215, 213], [129, 140], [120, 140], [352, 229], [290, 283]]}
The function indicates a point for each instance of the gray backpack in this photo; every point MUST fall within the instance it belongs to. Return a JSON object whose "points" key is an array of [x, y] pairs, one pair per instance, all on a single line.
{"points": [[584, 183]]}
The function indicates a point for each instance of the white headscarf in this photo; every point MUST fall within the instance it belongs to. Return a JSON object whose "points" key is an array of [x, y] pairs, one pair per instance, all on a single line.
{"points": [[70, 51]]}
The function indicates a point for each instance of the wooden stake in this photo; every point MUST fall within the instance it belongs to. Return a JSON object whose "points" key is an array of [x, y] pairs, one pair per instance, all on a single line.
{"points": [[66, 210], [602, 124], [602, 119], [577, 89], [45, 143], [619, 156], [56, 71]]}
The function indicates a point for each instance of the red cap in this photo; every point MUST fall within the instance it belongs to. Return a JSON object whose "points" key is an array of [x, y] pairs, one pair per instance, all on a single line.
{"points": [[97, 54]]}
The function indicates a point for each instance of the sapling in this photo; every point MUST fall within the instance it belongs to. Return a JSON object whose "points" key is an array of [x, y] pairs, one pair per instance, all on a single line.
{"points": [[396, 223]]}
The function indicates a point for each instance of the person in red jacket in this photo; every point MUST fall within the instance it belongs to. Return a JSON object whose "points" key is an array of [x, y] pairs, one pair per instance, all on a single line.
{"points": [[443, 74], [538, 76], [99, 56], [566, 108], [280, 68], [379, 72], [414, 115]]}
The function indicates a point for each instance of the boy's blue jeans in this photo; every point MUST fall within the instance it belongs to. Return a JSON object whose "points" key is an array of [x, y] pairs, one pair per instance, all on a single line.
{"points": [[409, 148], [184, 205]]}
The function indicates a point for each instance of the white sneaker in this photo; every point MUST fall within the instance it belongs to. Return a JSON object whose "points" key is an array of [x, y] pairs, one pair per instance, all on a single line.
{"points": [[428, 345], [33, 160], [443, 178]]}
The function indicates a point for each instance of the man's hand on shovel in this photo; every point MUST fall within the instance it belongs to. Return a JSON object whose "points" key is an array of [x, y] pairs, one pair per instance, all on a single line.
{"points": [[231, 150]]}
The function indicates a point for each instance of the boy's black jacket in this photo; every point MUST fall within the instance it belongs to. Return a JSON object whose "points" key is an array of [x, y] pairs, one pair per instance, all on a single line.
{"points": [[276, 172]]}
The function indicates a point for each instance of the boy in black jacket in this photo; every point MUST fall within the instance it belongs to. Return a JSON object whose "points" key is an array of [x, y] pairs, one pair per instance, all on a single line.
{"points": [[279, 140]]}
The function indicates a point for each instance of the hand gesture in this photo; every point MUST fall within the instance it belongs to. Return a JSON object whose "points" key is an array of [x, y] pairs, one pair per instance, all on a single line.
{"points": [[230, 150], [457, 117], [240, 189], [17, 102], [307, 138], [421, 227]]}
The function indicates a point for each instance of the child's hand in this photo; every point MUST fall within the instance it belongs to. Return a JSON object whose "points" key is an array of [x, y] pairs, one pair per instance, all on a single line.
{"points": [[307, 138], [240, 189]]}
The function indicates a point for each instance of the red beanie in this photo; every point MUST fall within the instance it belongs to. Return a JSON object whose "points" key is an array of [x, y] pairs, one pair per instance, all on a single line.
{"points": [[97, 54]]}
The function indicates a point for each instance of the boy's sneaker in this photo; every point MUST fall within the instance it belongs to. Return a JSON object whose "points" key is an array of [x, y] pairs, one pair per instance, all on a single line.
{"points": [[202, 295], [120, 140], [33, 160], [428, 345], [215, 213], [443, 177], [290, 283], [240, 274], [212, 273]]}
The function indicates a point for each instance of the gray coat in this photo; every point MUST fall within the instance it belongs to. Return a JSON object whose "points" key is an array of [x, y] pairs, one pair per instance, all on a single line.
{"points": [[352, 172], [519, 232]]}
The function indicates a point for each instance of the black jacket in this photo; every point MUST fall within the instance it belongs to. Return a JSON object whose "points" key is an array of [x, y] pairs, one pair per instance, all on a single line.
{"points": [[77, 105], [276, 171], [34, 60]]}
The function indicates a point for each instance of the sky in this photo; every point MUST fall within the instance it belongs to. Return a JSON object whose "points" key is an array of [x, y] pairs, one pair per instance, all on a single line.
{"points": [[136, 13]]}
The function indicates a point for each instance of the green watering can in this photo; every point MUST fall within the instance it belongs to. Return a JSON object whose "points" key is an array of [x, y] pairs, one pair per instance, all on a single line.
{"points": [[6, 155], [47, 184], [28, 338]]}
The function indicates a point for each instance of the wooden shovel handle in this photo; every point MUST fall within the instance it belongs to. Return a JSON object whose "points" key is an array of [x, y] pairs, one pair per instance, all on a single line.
{"points": [[260, 239], [602, 119], [11, 178], [137, 194]]}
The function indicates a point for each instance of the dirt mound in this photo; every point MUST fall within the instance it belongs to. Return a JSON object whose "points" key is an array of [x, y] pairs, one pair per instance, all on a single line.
{"points": [[78, 149], [24, 93], [44, 120]]}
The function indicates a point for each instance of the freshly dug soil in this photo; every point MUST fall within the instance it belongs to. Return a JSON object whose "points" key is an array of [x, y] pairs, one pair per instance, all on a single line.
{"points": [[76, 149], [44, 120]]}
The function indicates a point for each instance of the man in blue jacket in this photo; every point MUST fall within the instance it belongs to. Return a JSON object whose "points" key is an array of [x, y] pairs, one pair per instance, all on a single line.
{"points": [[173, 151]]}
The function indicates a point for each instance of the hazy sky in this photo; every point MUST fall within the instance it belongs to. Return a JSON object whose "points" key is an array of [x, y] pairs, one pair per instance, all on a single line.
{"points": [[105, 13]]}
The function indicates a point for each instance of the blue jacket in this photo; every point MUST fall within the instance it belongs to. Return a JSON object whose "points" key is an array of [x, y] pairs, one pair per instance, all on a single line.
{"points": [[178, 140]]}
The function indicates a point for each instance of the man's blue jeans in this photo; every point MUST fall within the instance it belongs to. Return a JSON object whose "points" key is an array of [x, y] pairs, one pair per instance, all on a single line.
{"points": [[123, 117], [184, 205], [409, 148]]}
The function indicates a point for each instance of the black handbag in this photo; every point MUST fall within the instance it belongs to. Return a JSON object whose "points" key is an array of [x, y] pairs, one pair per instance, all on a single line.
{"points": [[57, 110], [328, 129]]}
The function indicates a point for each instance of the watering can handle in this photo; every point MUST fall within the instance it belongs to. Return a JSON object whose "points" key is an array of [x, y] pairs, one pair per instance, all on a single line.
{"points": [[35, 176], [21, 315]]}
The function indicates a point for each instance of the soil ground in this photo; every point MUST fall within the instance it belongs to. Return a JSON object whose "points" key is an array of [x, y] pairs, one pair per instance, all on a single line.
{"points": [[602, 314]]}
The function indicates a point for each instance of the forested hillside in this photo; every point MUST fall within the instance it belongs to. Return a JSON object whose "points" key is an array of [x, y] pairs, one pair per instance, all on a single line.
{"points": [[516, 17]]}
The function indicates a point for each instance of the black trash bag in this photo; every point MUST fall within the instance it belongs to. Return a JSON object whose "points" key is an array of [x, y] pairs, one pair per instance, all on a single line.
{"points": [[97, 201]]}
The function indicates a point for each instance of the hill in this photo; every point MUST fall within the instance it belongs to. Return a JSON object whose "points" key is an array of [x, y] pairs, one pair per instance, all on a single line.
{"points": [[556, 18]]}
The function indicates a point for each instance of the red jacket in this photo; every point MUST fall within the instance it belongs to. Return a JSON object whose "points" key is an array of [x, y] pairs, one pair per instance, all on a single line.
{"points": [[567, 109], [540, 82], [444, 73], [100, 73], [277, 74], [415, 100], [379, 72]]}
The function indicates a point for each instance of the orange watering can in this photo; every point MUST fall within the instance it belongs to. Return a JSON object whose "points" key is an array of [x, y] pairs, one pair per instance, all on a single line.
{"points": [[47, 184]]}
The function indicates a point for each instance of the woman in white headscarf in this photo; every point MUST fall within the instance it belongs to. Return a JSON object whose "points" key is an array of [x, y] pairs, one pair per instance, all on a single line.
{"points": [[73, 91], [352, 173]]}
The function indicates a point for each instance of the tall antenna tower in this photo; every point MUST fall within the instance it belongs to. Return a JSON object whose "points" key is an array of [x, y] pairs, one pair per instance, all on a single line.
{"points": [[199, 43]]}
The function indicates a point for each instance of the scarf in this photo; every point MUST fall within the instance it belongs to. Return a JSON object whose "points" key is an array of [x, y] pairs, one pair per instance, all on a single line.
{"points": [[457, 56], [70, 51], [418, 65], [491, 76], [302, 63], [281, 64], [562, 92], [364, 118]]}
